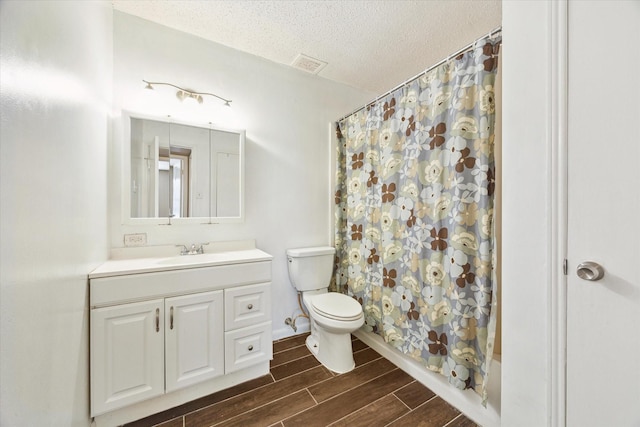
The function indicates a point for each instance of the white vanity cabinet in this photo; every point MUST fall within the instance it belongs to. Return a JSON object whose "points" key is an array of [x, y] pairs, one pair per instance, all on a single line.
{"points": [[162, 338]]}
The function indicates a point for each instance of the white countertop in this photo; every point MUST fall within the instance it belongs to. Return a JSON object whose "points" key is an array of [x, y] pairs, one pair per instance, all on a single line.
{"points": [[167, 258]]}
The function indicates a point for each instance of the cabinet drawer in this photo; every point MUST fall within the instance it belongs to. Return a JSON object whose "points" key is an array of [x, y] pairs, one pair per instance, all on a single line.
{"points": [[247, 305], [247, 346]]}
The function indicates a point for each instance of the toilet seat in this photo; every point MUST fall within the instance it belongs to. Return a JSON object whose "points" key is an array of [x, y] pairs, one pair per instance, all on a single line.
{"points": [[336, 306]]}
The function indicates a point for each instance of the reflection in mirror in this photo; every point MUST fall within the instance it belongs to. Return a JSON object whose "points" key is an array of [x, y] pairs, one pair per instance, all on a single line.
{"points": [[174, 183], [149, 152], [225, 161], [184, 171], [195, 141]]}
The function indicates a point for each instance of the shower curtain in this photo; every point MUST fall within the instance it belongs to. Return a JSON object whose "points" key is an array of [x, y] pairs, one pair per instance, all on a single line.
{"points": [[414, 216]]}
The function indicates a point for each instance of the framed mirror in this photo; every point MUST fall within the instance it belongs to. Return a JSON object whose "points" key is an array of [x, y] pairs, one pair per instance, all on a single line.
{"points": [[175, 172]]}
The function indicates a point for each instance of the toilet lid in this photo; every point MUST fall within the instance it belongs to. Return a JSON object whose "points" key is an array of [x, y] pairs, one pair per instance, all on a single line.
{"points": [[336, 306]]}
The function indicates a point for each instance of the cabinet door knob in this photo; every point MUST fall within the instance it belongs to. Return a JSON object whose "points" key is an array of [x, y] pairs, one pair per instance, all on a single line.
{"points": [[250, 348], [250, 306]]}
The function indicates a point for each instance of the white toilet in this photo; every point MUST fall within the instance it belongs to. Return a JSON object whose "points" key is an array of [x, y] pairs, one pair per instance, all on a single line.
{"points": [[333, 316]]}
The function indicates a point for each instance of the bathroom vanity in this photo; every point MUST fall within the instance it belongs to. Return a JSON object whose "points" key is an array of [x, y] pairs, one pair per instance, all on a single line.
{"points": [[165, 330]]}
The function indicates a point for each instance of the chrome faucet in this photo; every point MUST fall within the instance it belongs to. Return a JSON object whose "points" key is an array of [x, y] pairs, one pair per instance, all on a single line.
{"points": [[195, 250]]}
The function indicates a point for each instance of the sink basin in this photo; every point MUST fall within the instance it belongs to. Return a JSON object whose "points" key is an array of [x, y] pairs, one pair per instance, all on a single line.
{"points": [[211, 258]]}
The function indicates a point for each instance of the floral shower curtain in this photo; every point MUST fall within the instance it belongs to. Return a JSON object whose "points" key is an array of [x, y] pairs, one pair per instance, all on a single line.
{"points": [[414, 216]]}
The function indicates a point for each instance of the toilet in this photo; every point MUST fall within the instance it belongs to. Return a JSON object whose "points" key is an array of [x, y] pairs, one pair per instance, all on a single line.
{"points": [[333, 316]]}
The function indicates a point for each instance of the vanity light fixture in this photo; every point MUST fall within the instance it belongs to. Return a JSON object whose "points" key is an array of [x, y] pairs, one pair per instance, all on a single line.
{"points": [[182, 94]]}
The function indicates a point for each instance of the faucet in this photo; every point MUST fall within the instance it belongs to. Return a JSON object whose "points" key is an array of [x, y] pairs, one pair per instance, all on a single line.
{"points": [[194, 250]]}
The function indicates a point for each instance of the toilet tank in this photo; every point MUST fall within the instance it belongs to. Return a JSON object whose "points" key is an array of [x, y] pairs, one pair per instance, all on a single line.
{"points": [[310, 268]]}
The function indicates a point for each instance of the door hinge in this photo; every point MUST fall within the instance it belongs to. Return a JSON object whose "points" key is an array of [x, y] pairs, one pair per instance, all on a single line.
{"points": [[565, 267]]}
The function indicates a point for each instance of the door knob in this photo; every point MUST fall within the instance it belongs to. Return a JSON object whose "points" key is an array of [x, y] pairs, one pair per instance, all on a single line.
{"points": [[590, 270]]}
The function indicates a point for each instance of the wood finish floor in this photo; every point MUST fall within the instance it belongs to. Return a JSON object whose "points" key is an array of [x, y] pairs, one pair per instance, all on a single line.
{"points": [[300, 392]]}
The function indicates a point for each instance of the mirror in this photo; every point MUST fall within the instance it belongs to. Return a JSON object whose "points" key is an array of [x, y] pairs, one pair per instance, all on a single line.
{"points": [[182, 171]]}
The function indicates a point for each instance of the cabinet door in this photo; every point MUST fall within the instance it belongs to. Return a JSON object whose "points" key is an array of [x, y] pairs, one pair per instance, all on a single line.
{"points": [[194, 339], [127, 355]]}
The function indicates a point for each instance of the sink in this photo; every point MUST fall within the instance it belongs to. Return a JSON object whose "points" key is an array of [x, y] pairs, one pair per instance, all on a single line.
{"points": [[210, 258]]}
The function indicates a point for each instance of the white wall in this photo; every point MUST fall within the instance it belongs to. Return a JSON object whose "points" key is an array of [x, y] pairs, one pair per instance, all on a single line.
{"points": [[527, 265], [286, 114], [56, 89]]}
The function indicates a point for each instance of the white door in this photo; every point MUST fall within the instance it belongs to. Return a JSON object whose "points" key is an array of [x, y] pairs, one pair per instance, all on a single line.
{"points": [[194, 339], [127, 355], [603, 317]]}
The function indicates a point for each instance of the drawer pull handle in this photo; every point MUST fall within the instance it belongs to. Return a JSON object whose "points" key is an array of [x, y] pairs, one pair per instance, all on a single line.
{"points": [[250, 306], [157, 320], [171, 319], [250, 348]]}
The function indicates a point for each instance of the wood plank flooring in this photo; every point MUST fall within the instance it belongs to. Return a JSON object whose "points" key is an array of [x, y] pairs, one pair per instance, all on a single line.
{"points": [[299, 391]]}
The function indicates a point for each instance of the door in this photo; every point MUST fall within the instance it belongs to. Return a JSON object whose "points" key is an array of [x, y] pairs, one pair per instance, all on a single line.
{"points": [[127, 355], [603, 316], [194, 339]]}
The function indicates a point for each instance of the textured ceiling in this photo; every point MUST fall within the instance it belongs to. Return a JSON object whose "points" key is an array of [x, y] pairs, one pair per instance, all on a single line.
{"points": [[371, 45]]}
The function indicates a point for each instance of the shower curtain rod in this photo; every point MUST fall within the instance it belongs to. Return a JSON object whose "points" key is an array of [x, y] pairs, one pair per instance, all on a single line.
{"points": [[453, 55]]}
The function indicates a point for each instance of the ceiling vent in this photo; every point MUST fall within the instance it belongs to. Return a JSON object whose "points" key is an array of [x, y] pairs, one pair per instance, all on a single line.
{"points": [[308, 64]]}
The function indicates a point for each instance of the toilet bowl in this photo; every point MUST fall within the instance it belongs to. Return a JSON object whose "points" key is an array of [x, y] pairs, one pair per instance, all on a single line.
{"points": [[333, 316]]}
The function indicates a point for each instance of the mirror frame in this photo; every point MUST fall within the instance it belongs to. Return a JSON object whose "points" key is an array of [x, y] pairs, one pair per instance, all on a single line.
{"points": [[125, 188]]}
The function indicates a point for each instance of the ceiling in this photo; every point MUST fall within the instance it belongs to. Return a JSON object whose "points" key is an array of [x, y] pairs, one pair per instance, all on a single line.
{"points": [[368, 44]]}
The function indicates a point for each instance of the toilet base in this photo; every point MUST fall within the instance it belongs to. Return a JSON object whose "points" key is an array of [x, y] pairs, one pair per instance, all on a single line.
{"points": [[334, 351], [312, 345]]}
